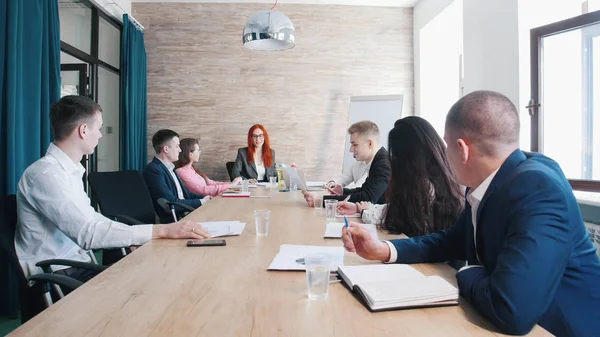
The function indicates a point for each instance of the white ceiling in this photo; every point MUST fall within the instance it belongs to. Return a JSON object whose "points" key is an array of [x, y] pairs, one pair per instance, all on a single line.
{"points": [[388, 3]]}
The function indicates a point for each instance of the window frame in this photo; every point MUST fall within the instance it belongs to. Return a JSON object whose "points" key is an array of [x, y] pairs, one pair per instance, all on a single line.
{"points": [[537, 34]]}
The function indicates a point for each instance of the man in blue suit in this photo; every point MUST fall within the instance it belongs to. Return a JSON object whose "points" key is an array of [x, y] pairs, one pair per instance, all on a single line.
{"points": [[529, 257], [161, 179]]}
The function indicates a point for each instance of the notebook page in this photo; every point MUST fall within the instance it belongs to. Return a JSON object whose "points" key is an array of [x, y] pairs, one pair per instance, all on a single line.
{"points": [[408, 292], [378, 273]]}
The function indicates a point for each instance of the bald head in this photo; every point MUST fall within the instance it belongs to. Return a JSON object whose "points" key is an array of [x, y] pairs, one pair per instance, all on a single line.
{"points": [[486, 119]]}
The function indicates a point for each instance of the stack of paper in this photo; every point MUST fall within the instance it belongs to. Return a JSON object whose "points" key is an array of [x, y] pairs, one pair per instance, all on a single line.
{"points": [[333, 230], [291, 257], [397, 286], [236, 195], [223, 228]]}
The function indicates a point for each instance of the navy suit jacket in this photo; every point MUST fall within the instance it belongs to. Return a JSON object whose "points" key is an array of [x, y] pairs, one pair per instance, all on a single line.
{"points": [[539, 265], [161, 185]]}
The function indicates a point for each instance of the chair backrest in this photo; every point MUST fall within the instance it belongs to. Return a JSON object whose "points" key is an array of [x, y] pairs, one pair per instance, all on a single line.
{"points": [[31, 299], [123, 193], [229, 166], [8, 225]]}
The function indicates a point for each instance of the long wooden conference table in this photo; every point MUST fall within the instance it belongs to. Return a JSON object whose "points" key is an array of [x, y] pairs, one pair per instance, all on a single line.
{"points": [[167, 289]]}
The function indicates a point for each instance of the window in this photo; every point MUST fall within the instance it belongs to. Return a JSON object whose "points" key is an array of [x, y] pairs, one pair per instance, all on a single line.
{"points": [[565, 75], [90, 59]]}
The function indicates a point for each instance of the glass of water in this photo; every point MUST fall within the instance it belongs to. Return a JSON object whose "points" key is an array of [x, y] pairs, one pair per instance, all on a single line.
{"points": [[261, 219], [330, 209], [245, 185], [273, 182], [317, 275], [318, 199]]}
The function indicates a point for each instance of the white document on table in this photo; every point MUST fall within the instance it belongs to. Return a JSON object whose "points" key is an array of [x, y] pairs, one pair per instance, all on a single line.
{"points": [[223, 228], [333, 230], [291, 257]]}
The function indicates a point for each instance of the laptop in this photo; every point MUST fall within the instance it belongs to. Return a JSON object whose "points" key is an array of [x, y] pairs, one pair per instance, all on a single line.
{"points": [[292, 175]]}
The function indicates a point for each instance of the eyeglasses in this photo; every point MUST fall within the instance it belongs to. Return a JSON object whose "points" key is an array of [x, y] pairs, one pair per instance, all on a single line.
{"points": [[261, 136]]}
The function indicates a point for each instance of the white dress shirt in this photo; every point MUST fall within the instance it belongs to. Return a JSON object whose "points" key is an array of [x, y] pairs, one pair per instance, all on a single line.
{"points": [[171, 168], [355, 176], [55, 219], [260, 170], [474, 198]]}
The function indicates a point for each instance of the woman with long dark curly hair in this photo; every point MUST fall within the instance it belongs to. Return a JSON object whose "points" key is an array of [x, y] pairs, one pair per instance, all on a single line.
{"points": [[423, 195]]}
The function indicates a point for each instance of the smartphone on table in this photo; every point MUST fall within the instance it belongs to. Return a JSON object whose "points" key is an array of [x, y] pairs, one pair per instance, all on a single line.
{"points": [[206, 243]]}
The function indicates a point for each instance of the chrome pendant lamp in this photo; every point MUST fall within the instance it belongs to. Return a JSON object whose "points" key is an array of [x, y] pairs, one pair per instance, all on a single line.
{"points": [[269, 30]]}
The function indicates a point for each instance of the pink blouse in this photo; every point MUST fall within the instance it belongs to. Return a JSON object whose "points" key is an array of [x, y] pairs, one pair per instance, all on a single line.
{"points": [[196, 184]]}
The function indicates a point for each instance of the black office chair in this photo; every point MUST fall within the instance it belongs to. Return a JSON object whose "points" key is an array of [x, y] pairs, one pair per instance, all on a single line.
{"points": [[37, 297], [229, 166], [124, 197]]}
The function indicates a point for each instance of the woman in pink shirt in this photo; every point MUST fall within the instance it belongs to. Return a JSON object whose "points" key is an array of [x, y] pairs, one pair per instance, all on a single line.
{"points": [[194, 179]]}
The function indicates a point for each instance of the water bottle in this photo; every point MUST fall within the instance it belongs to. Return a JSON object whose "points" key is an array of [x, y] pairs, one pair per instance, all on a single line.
{"points": [[294, 188]]}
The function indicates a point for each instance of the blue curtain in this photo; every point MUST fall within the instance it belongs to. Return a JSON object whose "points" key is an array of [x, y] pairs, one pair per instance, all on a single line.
{"points": [[29, 83], [134, 95]]}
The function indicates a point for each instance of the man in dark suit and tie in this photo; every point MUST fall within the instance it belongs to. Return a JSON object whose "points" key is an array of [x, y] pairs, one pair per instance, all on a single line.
{"points": [[161, 179], [529, 257]]}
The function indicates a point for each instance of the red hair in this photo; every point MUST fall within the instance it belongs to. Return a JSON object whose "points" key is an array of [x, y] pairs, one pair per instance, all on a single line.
{"points": [[267, 156]]}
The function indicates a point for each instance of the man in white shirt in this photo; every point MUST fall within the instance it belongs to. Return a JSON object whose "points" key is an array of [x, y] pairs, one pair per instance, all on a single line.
{"points": [[55, 218], [161, 179], [353, 177]]}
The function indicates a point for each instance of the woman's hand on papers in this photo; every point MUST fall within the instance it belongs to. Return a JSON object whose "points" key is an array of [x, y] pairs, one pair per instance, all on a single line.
{"points": [[359, 240]]}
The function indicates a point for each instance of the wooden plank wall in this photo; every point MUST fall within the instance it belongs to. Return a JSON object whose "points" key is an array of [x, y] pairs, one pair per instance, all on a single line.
{"points": [[203, 83]]}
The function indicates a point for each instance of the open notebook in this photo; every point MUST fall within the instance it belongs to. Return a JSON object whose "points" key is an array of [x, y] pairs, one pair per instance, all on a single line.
{"points": [[397, 286]]}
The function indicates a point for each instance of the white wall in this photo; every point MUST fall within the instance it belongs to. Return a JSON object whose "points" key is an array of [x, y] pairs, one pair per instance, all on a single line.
{"points": [[440, 41], [424, 12], [491, 47]]}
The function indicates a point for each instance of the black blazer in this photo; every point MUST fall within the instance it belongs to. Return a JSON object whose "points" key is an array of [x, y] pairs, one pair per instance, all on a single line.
{"points": [[241, 168], [373, 190], [161, 185]]}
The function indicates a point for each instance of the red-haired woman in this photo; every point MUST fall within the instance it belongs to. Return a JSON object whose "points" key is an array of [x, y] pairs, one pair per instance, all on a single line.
{"points": [[257, 161]]}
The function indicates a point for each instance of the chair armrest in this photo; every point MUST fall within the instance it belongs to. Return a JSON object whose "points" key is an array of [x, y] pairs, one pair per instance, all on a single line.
{"points": [[167, 205], [45, 265], [182, 205], [126, 219], [61, 280]]}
